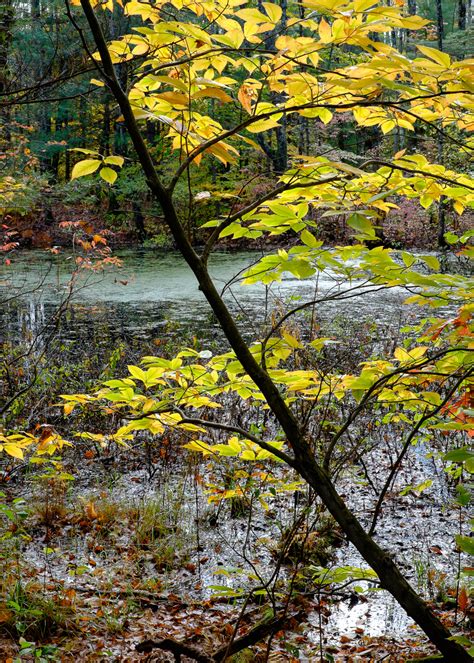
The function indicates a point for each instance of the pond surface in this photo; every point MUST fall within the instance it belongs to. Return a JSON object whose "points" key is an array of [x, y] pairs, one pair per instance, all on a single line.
{"points": [[154, 290]]}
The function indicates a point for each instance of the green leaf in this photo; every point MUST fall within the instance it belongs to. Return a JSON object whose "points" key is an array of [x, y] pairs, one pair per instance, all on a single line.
{"points": [[451, 238], [248, 454], [432, 262], [309, 239], [362, 225], [459, 455], [463, 495], [466, 543], [225, 450], [137, 372], [85, 167]]}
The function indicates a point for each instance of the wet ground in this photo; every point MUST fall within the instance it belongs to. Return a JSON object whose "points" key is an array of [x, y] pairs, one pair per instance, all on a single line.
{"points": [[131, 569]]}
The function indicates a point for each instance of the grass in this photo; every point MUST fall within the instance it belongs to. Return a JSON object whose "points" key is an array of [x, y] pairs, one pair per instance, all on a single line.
{"points": [[26, 612]]}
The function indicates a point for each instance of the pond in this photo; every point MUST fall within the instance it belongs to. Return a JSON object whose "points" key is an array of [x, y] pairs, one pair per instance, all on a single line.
{"points": [[155, 290]]}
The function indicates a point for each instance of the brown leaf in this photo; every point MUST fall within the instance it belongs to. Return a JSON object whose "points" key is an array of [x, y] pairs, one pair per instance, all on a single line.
{"points": [[436, 549], [46, 434], [463, 600], [5, 616]]}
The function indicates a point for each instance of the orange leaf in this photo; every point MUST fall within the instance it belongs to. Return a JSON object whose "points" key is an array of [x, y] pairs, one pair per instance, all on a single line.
{"points": [[91, 511], [46, 434], [68, 408], [245, 97], [463, 600]]}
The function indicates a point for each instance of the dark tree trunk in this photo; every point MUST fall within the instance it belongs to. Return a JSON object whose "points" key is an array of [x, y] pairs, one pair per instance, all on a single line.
{"points": [[151, 131], [139, 221], [35, 9], [7, 16], [462, 14], [440, 23], [104, 146]]}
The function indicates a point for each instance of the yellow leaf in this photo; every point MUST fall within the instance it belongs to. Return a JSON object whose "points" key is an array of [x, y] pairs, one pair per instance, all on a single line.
{"points": [[362, 5], [248, 454], [175, 82], [251, 15], [141, 49], [85, 167], [387, 126], [68, 408], [410, 355], [414, 22], [114, 160], [324, 115], [221, 151], [13, 450], [264, 125], [291, 340], [174, 98], [437, 56], [273, 11], [325, 32], [233, 38], [108, 175]]}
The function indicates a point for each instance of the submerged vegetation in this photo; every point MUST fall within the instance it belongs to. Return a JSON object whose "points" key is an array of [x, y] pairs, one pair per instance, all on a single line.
{"points": [[286, 479]]}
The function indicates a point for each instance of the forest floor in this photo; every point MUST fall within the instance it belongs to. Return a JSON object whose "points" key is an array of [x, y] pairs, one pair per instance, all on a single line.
{"points": [[131, 550]]}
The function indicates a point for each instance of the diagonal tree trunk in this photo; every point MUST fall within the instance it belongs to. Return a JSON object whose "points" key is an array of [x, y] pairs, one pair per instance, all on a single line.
{"points": [[304, 462]]}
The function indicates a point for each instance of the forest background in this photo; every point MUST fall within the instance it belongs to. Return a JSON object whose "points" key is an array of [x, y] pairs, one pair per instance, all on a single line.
{"points": [[50, 107]]}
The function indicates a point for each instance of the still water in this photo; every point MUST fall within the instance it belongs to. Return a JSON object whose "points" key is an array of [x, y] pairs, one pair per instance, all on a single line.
{"points": [[155, 290]]}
